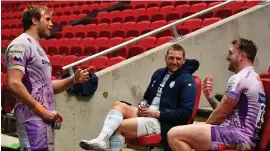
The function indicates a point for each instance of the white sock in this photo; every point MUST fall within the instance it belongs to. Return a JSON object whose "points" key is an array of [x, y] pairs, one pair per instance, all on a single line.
{"points": [[111, 123], [116, 142]]}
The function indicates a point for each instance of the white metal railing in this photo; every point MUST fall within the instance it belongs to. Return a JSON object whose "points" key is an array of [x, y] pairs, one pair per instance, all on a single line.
{"points": [[171, 25]]}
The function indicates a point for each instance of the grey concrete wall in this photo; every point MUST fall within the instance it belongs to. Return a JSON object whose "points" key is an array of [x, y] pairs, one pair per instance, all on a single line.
{"points": [[83, 117]]}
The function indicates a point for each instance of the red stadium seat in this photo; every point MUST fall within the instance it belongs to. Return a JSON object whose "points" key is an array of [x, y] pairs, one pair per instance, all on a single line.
{"points": [[157, 16], [181, 2], [128, 25], [147, 42], [114, 26], [102, 48], [100, 41], [142, 25], [151, 11], [192, 23], [224, 13], [118, 33], [99, 63], [173, 16], [90, 50], [68, 60], [143, 17], [163, 40], [158, 24], [153, 4], [114, 60], [167, 3], [166, 9], [184, 30], [101, 26], [76, 50], [129, 18], [104, 33], [56, 59], [92, 34], [165, 33], [133, 33], [235, 6], [136, 50], [115, 41], [209, 21], [123, 52]]}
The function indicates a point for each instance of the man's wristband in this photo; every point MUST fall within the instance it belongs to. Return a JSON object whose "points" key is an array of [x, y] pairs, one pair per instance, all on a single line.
{"points": [[73, 79]]}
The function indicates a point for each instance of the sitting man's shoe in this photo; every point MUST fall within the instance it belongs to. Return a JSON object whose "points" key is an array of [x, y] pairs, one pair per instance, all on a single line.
{"points": [[93, 144]]}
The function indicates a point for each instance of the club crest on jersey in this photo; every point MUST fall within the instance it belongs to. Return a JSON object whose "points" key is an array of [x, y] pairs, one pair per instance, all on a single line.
{"points": [[15, 58], [172, 84]]}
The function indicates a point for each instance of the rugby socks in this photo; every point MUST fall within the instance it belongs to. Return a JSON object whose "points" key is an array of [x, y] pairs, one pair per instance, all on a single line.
{"points": [[116, 143], [111, 123]]}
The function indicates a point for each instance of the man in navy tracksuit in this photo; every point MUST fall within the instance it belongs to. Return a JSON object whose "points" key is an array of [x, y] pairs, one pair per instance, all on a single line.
{"points": [[168, 101]]}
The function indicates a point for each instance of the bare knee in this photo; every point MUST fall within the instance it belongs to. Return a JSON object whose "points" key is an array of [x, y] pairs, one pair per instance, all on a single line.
{"points": [[172, 134], [123, 108], [117, 105]]}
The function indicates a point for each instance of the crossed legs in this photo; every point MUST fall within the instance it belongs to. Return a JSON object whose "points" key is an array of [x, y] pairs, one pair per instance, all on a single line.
{"points": [[120, 121], [188, 137]]}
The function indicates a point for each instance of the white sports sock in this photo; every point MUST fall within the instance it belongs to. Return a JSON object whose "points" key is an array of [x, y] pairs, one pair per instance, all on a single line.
{"points": [[111, 123], [116, 142]]}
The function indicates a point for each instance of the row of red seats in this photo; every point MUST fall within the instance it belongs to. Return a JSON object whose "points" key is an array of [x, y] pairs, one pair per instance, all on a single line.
{"points": [[10, 34], [86, 9], [125, 30], [90, 46], [11, 23], [56, 20], [76, 9], [97, 64], [130, 29], [17, 6], [64, 19], [148, 4], [169, 13], [151, 14]]}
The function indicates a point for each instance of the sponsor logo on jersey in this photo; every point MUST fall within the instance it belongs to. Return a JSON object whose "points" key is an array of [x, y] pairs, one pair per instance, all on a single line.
{"points": [[46, 62]]}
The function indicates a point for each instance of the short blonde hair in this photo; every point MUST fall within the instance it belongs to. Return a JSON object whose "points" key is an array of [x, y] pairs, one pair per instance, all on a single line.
{"points": [[33, 11], [176, 47]]}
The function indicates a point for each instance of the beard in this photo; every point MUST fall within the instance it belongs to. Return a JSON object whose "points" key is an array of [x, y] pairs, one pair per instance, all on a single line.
{"points": [[42, 33], [232, 66]]}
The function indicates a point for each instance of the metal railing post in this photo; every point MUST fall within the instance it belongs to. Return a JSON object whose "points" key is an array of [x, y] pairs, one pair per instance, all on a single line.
{"points": [[175, 33], [71, 72]]}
